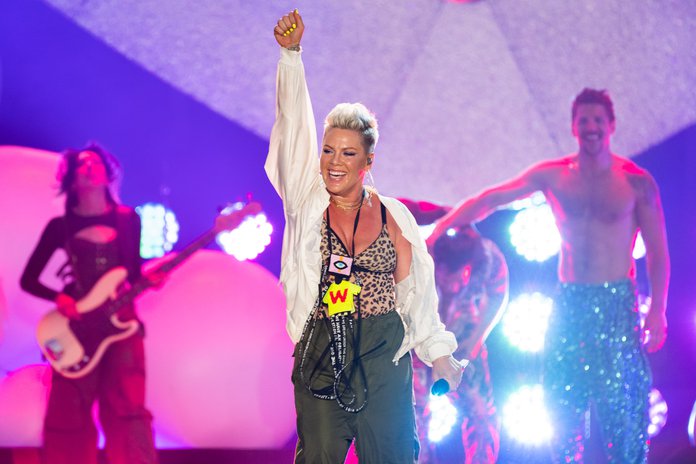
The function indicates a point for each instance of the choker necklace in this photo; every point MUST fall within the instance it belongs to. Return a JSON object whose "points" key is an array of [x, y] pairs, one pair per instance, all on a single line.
{"points": [[348, 206]]}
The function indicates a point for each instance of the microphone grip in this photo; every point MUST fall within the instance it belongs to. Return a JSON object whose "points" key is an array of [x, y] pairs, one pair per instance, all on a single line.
{"points": [[440, 387]]}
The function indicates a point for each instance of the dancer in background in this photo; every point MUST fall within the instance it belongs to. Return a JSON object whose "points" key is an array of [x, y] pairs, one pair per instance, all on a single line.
{"points": [[472, 282], [593, 349]]}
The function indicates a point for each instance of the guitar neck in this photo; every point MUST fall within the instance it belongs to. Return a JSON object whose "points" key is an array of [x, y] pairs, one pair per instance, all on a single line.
{"points": [[230, 221], [143, 283], [186, 253]]}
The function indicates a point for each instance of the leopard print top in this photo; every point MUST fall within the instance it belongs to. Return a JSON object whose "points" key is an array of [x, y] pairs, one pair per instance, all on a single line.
{"points": [[373, 270]]}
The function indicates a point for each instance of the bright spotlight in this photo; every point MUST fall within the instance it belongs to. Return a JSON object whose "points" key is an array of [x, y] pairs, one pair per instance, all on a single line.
{"points": [[657, 411], [526, 320], [443, 416], [639, 247], [535, 199], [525, 417], [249, 239], [692, 425], [643, 308], [534, 233], [159, 232]]}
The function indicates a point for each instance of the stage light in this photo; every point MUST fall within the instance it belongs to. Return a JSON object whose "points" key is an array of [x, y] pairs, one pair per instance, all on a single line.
{"points": [[443, 416], [658, 412], [639, 247], [249, 239], [691, 426], [526, 320], [643, 308], [159, 232], [525, 418], [534, 233], [535, 199]]}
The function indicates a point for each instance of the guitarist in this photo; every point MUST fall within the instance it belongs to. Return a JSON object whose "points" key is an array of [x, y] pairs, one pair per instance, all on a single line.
{"points": [[97, 234]]}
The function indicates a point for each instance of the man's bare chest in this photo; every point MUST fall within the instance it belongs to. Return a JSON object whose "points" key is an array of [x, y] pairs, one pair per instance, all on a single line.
{"points": [[608, 198]]}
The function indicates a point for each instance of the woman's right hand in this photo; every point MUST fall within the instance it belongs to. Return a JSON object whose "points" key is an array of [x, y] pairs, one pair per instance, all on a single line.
{"points": [[289, 30], [449, 369], [66, 306]]}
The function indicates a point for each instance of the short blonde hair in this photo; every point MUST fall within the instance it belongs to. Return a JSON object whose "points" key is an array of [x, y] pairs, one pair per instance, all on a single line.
{"points": [[354, 116]]}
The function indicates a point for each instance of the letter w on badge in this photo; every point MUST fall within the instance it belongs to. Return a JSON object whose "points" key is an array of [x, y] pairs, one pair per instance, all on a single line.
{"points": [[339, 297]]}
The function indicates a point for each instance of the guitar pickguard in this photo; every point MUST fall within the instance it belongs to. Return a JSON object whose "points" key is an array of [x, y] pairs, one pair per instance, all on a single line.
{"points": [[74, 347]]}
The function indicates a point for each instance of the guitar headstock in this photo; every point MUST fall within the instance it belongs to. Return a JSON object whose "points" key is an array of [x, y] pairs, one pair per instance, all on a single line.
{"points": [[233, 215]]}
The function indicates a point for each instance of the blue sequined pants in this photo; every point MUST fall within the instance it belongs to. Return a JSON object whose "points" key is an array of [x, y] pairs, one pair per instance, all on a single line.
{"points": [[594, 355]]}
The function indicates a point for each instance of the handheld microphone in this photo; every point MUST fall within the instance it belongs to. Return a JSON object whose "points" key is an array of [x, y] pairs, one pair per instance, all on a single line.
{"points": [[439, 388], [442, 386]]}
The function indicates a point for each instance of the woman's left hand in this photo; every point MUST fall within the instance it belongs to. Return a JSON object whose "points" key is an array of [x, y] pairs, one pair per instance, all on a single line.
{"points": [[449, 369]]}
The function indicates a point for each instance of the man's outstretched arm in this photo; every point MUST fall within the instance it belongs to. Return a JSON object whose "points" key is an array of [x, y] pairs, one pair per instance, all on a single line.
{"points": [[476, 208]]}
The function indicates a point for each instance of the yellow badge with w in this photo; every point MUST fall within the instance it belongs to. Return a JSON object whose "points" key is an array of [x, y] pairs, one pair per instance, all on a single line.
{"points": [[340, 297]]}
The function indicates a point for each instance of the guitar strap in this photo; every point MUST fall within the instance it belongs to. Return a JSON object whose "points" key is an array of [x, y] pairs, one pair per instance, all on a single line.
{"points": [[126, 242]]}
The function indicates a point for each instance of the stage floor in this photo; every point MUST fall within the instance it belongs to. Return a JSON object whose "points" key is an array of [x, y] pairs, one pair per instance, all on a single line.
{"points": [[176, 456], [659, 455]]}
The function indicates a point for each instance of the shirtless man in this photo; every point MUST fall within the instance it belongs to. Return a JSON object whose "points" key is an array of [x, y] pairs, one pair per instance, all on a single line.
{"points": [[594, 352]]}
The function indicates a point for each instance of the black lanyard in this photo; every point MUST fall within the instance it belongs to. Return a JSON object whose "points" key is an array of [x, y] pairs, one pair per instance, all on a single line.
{"points": [[338, 329]]}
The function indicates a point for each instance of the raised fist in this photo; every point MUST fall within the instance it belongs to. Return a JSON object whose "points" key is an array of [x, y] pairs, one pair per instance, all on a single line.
{"points": [[289, 30]]}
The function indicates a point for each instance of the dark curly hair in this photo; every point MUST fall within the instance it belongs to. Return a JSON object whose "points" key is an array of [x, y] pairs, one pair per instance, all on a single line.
{"points": [[463, 246], [68, 167]]}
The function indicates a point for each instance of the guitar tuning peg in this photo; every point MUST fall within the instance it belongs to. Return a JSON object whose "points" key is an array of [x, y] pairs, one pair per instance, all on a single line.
{"points": [[230, 208]]}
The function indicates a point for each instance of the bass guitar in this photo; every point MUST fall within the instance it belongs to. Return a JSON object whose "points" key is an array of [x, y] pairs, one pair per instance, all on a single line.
{"points": [[74, 347]]}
